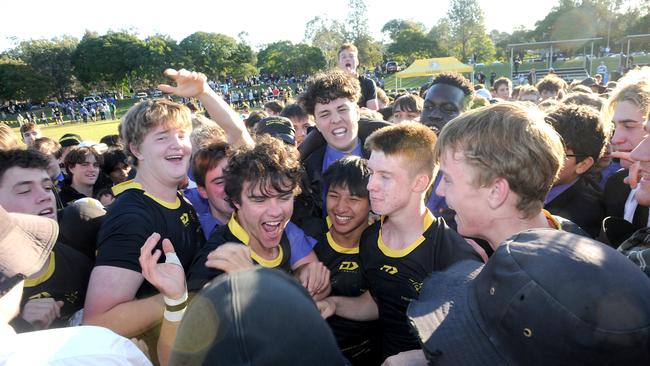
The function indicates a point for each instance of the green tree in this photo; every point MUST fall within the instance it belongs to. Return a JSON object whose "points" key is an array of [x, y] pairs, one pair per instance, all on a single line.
{"points": [[501, 40], [572, 19], [409, 41], [51, 61], [394, 27], [215, 54], [468, 31], [641, 25], [441, 34], [357, 20], [243, 61], [109, 60], [327, 35], [286, 58], [19, 81], [161, 52], [85, 57], [370, 51]]}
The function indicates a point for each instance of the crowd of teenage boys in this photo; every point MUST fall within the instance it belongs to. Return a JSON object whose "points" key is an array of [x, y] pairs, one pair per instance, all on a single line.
{"points": [[455, 225]]}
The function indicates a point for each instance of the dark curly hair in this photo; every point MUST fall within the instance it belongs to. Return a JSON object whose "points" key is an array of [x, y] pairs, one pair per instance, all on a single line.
{"points": [[581, 129], [112, 160], [454, 79], [325, 87], [269, 164], [26, 159]]}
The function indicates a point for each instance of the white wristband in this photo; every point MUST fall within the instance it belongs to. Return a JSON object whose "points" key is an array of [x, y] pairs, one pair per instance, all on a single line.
{"points": [[174, 316], [172, 302], [171, 257]]}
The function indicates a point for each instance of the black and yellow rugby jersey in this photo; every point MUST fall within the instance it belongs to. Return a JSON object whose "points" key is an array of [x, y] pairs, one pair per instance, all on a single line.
{"points": [[355, 338], [133, 217], [65, 279], [346, 277], [199, 274], [395, 276]]}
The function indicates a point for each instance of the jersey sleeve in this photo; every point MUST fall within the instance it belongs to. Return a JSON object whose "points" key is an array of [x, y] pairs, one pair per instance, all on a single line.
{"points": [[452, 247], [120, 238], [301, 243]]}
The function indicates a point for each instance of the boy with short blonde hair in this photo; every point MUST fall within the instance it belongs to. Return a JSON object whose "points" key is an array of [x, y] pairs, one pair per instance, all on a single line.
{"points": [[407, 243]]}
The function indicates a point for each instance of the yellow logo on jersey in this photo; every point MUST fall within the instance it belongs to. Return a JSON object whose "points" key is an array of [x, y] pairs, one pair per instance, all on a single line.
{"points": [[348, 266], [388, 269], [41, 295], [416, 285], [72, 297], [185, 219]]}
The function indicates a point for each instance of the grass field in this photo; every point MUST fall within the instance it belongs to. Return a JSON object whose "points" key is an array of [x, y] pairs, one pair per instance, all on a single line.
{"points": [[88, 131], [502, 69]]}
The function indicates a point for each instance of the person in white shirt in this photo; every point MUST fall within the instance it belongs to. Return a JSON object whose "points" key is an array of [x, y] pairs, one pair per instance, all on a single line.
{"points": [[25, 244]]}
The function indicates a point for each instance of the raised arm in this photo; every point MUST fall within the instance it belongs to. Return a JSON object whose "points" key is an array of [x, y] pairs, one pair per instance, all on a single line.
{"points": [[194, 84]]}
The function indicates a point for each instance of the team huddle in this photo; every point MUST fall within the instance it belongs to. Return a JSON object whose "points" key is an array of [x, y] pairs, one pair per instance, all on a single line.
{"points": [[453, 234]]}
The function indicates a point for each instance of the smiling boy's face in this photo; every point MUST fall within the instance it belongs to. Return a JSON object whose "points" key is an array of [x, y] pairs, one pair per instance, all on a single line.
{"points": [[338, 121], [28, 191]]}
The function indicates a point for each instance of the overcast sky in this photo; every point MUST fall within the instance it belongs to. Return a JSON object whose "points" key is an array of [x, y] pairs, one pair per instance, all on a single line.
{"points": [[265, 21]]}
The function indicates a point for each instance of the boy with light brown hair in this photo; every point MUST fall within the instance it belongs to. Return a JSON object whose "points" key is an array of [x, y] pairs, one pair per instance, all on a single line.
{"points": [[551, 86], [348, 61], [407, 243]]}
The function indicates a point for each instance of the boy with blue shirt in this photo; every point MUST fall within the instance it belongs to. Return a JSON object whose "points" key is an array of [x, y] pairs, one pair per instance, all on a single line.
{"points": [[208, 164], [331, 97], [573, 196], [260, 182]]}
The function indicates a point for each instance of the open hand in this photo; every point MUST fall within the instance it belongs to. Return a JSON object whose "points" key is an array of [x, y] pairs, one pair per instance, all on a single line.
{"points": [[168, 278], [188, 83]]}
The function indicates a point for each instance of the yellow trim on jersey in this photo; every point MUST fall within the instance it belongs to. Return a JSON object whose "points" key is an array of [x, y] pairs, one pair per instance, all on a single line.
{"points": [[338, 248], [552, 220], [399, 253], [268, 263], [31, 282], [237, 230], [241, 234], [121, 187], [170, 205], [131, 184]]}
